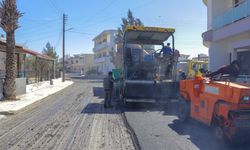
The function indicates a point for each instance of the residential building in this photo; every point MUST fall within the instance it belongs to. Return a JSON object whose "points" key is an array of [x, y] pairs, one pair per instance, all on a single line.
{"points": [[201, 57], [104, 51], [228, 33], [79, 63], [183, 57]]}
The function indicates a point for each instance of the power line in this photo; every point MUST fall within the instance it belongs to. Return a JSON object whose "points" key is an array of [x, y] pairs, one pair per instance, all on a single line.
{"points": [[55, 7], [36, 31], [83, 33], [59, 39], [100, 11], [113, 17]]}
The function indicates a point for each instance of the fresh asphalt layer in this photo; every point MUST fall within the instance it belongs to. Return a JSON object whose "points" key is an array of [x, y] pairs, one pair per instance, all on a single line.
{"points": [[157, 128]]}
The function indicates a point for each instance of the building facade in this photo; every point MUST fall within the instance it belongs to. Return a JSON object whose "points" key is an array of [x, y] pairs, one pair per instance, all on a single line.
{"points": [[228, 33], [183, 57], [104, 51], [79, 63], [201, 57]]}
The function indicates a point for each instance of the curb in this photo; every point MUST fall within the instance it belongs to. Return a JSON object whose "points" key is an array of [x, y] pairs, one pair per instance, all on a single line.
{"points": [[7, 112]]}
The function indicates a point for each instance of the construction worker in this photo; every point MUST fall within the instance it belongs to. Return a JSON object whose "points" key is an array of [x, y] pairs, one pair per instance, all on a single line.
{"points": [[233, 70], [108, 84], [166, 50]]}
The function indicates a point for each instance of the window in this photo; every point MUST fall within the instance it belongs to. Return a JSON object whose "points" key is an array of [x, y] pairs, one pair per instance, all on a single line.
{"points": [[238, 2], [243, 58]]}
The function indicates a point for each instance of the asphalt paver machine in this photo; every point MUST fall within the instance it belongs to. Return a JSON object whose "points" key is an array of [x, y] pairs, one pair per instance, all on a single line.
{"points": [[142, 65]]}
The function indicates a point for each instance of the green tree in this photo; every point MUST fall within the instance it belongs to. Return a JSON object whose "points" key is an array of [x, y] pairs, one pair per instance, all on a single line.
{"points": [[49, 50], [45, 66], [130, 20], [9, 16]]}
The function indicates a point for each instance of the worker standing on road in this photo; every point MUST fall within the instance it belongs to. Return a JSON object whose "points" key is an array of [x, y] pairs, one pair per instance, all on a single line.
{"points": [[233, 70], [108, 84]]}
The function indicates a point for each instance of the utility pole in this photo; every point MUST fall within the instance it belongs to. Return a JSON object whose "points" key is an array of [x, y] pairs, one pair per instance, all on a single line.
{"points": [[63, 47]]}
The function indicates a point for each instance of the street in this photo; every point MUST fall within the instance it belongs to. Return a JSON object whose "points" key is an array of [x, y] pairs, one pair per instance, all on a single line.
{"points": [[157, 128], [71, 119], [75, 119]]}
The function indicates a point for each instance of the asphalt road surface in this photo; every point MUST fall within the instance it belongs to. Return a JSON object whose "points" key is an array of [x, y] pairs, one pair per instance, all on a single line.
{"points": [[157, 128], [75, 119], [71, 119]]}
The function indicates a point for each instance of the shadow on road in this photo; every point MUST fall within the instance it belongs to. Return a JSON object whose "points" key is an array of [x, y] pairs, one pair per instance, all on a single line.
{"points": [[97, 108], [164, 107], [202, 136], [95, 81]]}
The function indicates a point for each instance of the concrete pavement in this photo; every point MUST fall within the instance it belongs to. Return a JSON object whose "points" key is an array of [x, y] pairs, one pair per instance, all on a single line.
{"points": [[34, 93]]}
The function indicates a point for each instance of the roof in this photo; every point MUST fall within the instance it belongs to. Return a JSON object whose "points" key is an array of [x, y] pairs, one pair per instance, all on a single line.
{"points": [[147, 35], [21, 49], [105, 32], [36, 54]]}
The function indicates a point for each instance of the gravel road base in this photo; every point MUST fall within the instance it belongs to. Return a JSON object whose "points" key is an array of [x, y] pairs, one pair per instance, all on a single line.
{"points": [[72, 119]]}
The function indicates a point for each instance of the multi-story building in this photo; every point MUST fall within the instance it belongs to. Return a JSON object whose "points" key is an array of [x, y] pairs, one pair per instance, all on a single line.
{"points": [[79, 63], [183, 57], [201, 57], [104, 51], [228, 35]]}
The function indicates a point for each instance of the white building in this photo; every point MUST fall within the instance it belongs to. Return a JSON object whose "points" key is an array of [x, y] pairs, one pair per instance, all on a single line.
{"points": [[201, 57], [183, 57], [228, 33], [104, 51]]}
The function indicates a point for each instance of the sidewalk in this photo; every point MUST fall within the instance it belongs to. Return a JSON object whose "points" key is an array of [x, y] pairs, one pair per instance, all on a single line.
{"points": [[34, 93]]}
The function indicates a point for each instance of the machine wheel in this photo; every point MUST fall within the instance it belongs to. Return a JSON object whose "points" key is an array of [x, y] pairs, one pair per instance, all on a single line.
{"points": [[124, 101], [218, 129], [219, 133], [183, 110]]}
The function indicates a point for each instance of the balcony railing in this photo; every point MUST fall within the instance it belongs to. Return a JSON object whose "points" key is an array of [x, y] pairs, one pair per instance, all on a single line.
{"points": [[101, 59], [232, 15], [100, 46]]}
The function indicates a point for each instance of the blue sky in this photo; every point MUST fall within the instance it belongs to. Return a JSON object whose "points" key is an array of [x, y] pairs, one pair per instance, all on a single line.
{"points": [[42, 21]]}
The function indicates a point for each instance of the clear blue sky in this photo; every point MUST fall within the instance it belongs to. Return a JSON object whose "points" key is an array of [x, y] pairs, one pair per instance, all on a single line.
{"points": [[42, 21]]}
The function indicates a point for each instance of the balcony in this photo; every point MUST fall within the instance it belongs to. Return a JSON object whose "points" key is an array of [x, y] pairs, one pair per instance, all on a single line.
{"points": [[101, 60], [100, 46], [232, 15]]}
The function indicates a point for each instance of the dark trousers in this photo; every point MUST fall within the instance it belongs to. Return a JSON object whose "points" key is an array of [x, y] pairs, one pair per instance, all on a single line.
{"points": [[108, 97]]}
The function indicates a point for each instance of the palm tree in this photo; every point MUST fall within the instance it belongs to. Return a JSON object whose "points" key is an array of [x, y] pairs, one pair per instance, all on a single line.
{"points": [[9, 16]]}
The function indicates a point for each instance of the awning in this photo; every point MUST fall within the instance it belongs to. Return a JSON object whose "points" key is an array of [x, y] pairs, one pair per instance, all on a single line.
{"points": [[21, 49], [36, 54], [147, 35]]}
